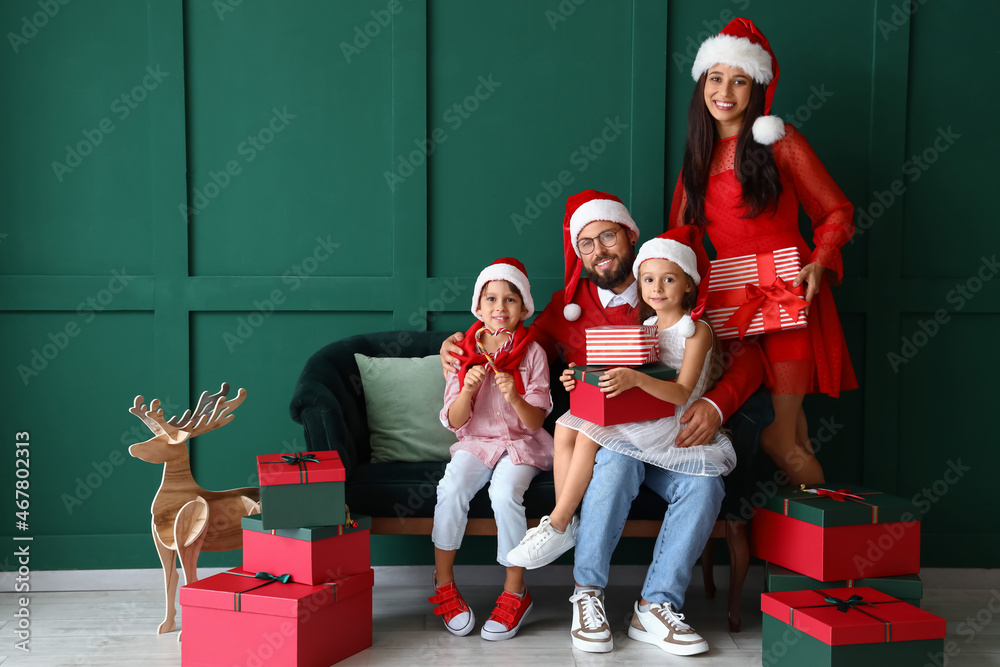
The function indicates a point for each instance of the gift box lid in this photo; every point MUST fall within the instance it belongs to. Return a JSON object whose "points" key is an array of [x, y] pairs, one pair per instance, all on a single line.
{"points": [[837, 506], [862, 615], [592, 374], [902, 586], [300, 468], [622, 332], [358, 522], [252, 593]]}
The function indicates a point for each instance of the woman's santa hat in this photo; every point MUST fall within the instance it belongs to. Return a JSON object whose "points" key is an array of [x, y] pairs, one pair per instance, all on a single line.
{"points": [[511, 270], [582, 209], [741, 44], [685, 247]]}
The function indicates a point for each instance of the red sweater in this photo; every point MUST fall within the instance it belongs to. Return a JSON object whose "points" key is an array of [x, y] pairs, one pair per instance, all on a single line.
{"points": [[560, 337]]}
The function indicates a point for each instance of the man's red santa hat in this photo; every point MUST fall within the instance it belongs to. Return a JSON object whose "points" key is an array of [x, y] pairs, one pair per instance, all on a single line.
{"points": [[582, 209], [741, 44], [511, 270], [685, 247]]}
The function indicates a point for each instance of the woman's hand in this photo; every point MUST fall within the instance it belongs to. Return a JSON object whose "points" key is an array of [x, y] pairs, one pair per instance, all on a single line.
{"points": [[568, 382], [473, 378], [812, 276], [617, 380]]}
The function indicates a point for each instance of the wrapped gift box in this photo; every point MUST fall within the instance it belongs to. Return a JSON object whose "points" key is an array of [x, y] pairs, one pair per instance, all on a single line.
{"points": [[626, 345], [588, 402], [312, 555], [236, 618], [299, 490], [827, 627], [864, 534], [906, 588], [753, 294]]}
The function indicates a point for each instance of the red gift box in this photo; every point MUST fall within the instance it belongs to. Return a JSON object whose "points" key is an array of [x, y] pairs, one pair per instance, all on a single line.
{"points": [[625, 345], [239, 618], [300, 468], [586, 401], [846, 626], [311, 555], [753, 294]]}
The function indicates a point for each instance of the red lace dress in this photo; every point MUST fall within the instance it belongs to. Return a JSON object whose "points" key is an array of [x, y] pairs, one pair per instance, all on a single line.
{"points": [[802, 361]]}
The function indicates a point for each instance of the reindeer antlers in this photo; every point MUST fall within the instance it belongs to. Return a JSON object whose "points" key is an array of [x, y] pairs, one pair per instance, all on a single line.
{"points": [[211, 412]]}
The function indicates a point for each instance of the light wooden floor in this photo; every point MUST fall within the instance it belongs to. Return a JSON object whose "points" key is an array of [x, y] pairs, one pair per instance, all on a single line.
{"points": [[116, 627]]}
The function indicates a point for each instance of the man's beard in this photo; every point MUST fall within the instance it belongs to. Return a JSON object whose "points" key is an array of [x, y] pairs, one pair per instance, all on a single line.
{"points": [[617, 276]]}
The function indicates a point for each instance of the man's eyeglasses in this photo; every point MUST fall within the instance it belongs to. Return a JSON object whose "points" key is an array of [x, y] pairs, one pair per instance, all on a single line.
{"points": [[608, 238]]}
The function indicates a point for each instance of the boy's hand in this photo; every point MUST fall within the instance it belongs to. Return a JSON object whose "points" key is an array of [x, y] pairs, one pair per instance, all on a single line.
{"points": [[473, 378], [505, 383], [567, 379], [617, 380]]}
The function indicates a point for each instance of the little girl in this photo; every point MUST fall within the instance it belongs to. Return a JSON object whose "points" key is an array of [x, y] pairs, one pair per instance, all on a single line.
{"points": [[744, 175], [669, 270], [496, 404]]}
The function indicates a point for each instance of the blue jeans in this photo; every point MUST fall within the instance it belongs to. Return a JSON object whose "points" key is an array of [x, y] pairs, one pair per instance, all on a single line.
{"points": [[693, 507]]}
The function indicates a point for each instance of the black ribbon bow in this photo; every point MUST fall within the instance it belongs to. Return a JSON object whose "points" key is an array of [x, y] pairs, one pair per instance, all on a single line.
{"points": [[845, 605], [299, 458]]}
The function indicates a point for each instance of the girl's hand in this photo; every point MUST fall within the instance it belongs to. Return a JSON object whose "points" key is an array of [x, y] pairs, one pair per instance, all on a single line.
{"points": [[617, 380], [567, 379], [473, 378], [812, 276], [505, 383]]}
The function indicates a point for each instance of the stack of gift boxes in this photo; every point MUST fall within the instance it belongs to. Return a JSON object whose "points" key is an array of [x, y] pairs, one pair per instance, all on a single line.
{"points": [[843, 580], [303, 596]]}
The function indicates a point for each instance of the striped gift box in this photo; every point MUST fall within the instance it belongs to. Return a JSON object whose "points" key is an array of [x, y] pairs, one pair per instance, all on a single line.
{"points": [[628, 345], [753, 294]]}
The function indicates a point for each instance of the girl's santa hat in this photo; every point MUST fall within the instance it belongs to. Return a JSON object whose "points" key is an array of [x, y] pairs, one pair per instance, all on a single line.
{"points": [[685, 247], [511, 270], [741, 44], [582, 209]]}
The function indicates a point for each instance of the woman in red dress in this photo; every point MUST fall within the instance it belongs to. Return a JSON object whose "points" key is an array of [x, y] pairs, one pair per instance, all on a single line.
{"points": [[744, 175]]}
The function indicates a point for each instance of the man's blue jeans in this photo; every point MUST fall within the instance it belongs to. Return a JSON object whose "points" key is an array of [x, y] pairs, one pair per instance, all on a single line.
{"points": [[693, 507]]}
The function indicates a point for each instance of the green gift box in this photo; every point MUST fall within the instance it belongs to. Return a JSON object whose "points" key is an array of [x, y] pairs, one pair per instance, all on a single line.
{"points": [[591, 374], [300, 490], [906, 588]]}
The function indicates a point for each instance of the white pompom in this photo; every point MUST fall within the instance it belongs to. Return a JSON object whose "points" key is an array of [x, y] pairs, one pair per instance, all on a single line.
{"points": [[686, 326], [572, 312], [768, 129]]}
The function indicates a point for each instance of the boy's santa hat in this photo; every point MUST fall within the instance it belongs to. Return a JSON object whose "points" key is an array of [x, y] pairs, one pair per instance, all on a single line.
{"points": [[741, 44], [582, 209], [685, 247], [511, 270]]}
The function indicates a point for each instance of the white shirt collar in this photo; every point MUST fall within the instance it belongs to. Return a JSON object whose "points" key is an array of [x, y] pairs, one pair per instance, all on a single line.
{"points": [[630, 296]]}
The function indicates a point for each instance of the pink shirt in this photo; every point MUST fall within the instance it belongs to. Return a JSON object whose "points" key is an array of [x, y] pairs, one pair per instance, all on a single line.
{"points": [[494, 427]]}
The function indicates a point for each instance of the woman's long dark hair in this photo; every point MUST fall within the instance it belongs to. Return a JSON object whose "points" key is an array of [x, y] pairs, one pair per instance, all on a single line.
{"points": [[754, 164]]}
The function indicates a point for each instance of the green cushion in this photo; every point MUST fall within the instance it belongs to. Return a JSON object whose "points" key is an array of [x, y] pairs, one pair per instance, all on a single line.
{"points": [[404, 397]]}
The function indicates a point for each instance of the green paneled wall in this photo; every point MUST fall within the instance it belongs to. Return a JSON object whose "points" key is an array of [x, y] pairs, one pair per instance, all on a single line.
{"points": [[352, 169]]}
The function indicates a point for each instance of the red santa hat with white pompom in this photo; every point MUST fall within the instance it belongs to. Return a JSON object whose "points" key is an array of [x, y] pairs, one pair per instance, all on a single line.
{"points": [[741, 44]]}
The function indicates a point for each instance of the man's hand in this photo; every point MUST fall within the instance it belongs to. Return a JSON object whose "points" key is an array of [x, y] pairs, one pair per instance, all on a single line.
{"points": [[448, 349], [702, 421], [505, 383], [473, 378], [617, 380], [567, 379]]}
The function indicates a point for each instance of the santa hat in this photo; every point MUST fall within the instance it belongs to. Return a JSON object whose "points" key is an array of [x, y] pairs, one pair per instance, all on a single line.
{"points": [[685, 247], [741, 44], [511, 270], [582, 209]]}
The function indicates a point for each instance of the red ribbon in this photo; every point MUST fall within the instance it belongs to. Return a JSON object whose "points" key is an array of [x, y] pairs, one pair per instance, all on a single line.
{"points": [[840, 495], [770, 302], [844, 606]]}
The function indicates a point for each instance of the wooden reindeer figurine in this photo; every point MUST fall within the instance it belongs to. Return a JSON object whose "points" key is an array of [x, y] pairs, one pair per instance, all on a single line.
{"points": [[187, 519]]}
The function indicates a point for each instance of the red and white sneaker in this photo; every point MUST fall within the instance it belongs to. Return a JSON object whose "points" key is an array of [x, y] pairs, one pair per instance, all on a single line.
{"points": [[451, 607], [507, 616]]}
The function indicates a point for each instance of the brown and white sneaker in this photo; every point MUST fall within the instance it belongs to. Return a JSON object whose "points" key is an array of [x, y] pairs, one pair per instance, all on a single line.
{"points": [[663, 627], [590, 630]]}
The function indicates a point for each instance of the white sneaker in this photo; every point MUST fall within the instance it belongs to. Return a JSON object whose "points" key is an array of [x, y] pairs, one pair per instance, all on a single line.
{"points": [[544, 545], [663, 627], [590, 631]]}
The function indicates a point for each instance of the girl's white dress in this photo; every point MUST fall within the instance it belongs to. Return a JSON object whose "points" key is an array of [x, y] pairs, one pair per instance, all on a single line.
{"points": [[653, 441]]}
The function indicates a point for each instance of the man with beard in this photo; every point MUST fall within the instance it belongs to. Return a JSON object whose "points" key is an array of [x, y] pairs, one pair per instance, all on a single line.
{"points": [[600, 235]]}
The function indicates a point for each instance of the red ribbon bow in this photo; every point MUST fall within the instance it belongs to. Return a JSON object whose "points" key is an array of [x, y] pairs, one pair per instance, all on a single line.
{"points": [[840, 495], [770, 302]]}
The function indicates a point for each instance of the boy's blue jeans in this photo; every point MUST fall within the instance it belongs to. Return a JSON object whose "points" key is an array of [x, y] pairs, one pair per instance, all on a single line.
{"points": [[693, 507]]}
